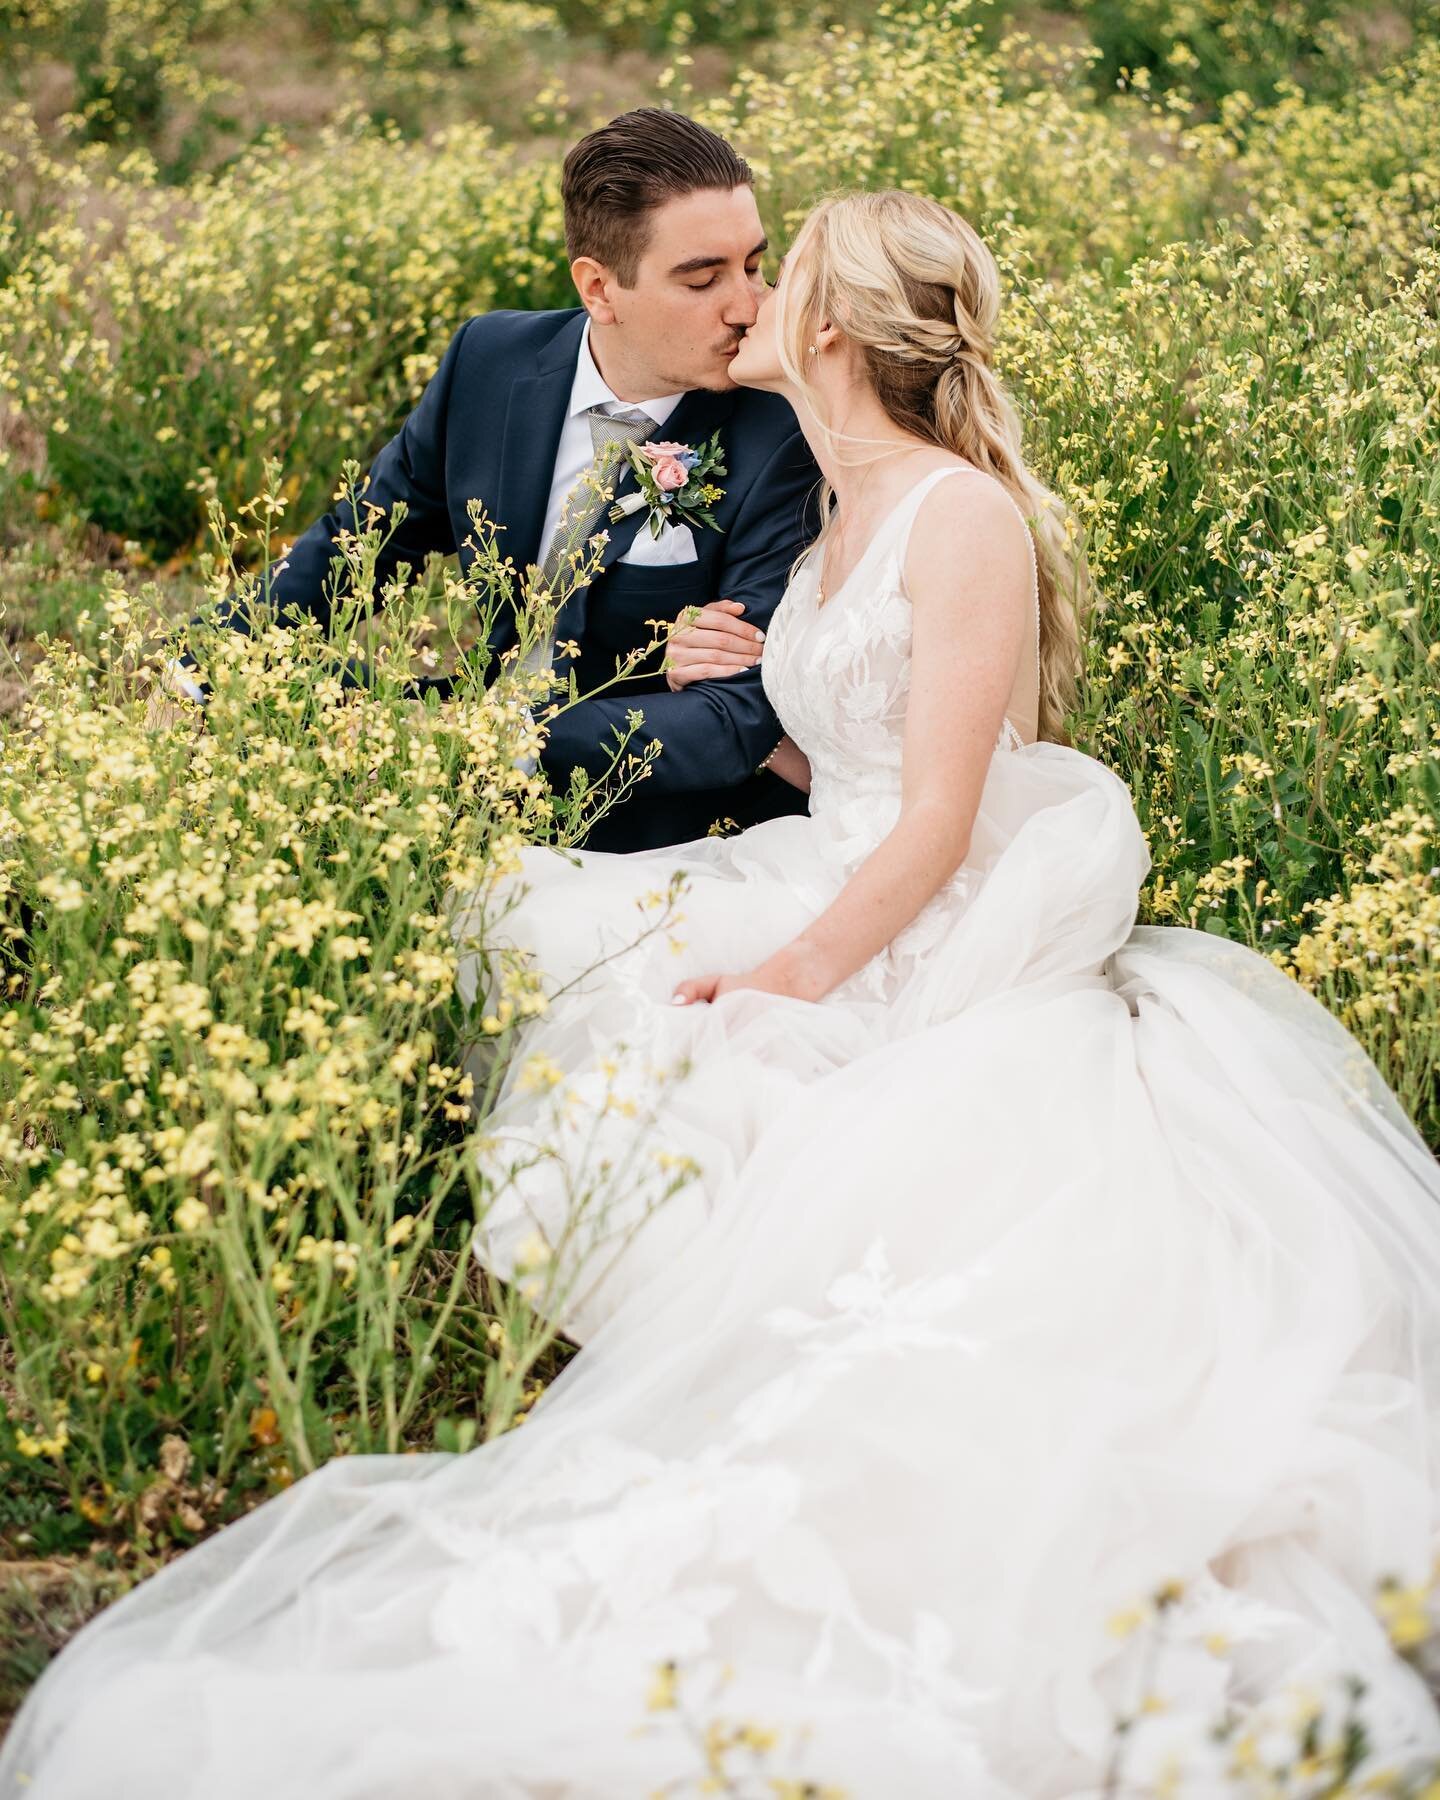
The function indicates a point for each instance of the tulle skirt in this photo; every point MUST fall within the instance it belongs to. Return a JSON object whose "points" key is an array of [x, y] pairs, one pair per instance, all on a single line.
{"points": [[1050, 1264]]}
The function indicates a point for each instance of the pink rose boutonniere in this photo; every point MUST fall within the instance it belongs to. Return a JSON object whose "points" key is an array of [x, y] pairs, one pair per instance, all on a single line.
{"points": [[674, 483]]}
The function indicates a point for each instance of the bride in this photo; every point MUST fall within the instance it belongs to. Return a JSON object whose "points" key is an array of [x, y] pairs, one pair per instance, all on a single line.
{"points": [[961, 1270]]}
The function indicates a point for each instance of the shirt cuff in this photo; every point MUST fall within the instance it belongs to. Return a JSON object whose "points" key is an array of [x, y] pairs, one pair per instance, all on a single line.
{"points": [[527, 765], [178, 680]]}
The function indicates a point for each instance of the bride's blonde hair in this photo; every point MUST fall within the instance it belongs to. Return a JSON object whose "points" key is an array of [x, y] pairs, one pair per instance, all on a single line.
{"points": [[914, 288]]}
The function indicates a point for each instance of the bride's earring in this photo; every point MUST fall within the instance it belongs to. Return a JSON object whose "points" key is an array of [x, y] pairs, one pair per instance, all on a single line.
{"points": [[814, 351]]}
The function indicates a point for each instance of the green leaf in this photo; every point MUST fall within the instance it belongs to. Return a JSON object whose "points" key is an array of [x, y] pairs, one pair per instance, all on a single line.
{"points": [[455, 1435]]}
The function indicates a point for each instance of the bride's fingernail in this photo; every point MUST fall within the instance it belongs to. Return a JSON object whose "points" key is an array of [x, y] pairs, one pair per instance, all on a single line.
{"points": [[760, 634], [678, 1000]]}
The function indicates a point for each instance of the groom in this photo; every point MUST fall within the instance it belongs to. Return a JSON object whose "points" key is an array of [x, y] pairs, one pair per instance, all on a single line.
{"points": [[665, 245]]}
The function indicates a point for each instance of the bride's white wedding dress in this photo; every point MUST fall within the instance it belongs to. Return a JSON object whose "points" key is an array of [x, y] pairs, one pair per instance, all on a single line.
{"points": [[1046, 1261]]}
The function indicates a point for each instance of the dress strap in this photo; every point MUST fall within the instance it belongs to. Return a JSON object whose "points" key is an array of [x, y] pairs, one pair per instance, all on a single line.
{"points": [[911, 506]]}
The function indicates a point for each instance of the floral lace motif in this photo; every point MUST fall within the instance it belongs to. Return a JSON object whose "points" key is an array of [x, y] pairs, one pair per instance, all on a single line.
{"points": [[614, 1545], [838, 676]]}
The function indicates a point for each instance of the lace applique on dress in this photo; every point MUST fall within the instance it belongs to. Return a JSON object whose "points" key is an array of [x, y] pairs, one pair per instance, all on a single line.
{"points": [[838, 677]]}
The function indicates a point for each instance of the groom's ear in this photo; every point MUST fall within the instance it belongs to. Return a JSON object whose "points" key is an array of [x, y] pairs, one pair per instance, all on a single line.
{"points": [[595, 284]]}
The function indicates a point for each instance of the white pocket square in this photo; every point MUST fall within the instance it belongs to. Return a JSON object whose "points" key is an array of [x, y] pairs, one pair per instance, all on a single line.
{"points": [[675, 544]]}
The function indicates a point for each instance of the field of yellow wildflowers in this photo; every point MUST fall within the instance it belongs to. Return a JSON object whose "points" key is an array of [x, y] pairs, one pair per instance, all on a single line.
{"points": [[235, 1192]]}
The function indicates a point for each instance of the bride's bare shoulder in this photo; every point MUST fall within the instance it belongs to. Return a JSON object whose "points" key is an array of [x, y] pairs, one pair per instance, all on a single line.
{"points": [[967, 533]]}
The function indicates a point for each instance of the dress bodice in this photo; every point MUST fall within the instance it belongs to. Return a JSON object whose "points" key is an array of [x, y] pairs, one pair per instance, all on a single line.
{"points": [[838, 676]]}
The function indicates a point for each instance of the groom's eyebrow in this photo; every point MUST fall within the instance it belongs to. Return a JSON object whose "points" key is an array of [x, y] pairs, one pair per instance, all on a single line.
{"points": [[695, 264]]}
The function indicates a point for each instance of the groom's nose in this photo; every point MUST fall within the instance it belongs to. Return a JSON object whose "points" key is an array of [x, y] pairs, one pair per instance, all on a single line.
{"points": [[742, 304]]}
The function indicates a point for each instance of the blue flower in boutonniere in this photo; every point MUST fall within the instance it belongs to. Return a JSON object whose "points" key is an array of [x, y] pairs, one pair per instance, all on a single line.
{"points": [[675, 484]]}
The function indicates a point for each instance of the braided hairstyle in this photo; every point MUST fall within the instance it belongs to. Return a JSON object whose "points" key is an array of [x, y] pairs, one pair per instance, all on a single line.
{"points": [[916, 291]]}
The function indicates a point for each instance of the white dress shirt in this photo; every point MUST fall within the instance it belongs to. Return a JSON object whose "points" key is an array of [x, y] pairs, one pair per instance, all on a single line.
{"points": [[576, 451], [573, 455]]}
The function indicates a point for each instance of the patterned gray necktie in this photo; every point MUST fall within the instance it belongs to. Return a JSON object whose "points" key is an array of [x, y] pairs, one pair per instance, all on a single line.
{"points": [[589, 498]]}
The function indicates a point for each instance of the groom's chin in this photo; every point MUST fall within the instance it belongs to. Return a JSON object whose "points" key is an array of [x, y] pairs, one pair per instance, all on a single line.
{"points": [[727, 381]]}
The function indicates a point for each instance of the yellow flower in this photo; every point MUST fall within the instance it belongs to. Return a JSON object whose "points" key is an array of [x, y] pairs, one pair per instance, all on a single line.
{"points": [[1406, 1615], [191, 1214], [662, 1694], [54, 1446], [539, 1072], [532, 1252]]}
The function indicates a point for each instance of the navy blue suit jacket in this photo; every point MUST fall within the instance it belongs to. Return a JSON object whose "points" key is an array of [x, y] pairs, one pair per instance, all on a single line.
{"points": [[487, 426]]}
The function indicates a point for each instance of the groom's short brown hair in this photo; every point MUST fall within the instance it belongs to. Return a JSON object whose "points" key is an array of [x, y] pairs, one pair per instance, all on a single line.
{"points": [[614, 177]]}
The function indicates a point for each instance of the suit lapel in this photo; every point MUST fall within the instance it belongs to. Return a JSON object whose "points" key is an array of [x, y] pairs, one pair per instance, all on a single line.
{"points": [[530, 437]]}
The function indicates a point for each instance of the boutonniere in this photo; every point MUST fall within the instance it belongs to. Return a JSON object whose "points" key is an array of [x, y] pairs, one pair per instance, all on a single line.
{"points": [[675, 483]]}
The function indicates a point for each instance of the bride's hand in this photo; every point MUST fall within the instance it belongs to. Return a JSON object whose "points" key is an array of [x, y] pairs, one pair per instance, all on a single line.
{"points": [[716, 642], [711, 987]]}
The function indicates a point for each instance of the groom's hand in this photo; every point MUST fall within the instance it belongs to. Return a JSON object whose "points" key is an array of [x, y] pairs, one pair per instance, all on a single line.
{"points": [[163, 710], [716, 642]]}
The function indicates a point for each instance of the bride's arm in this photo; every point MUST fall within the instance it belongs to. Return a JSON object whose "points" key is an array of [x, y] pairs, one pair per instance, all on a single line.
{"points": [[967, 571], [790, 763]]}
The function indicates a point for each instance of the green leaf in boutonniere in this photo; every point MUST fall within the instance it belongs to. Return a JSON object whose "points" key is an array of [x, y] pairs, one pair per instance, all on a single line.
{"points": [[675, 482]]}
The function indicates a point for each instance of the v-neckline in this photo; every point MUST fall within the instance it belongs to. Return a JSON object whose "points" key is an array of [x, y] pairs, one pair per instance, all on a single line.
{"points": [[833, 594]]}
